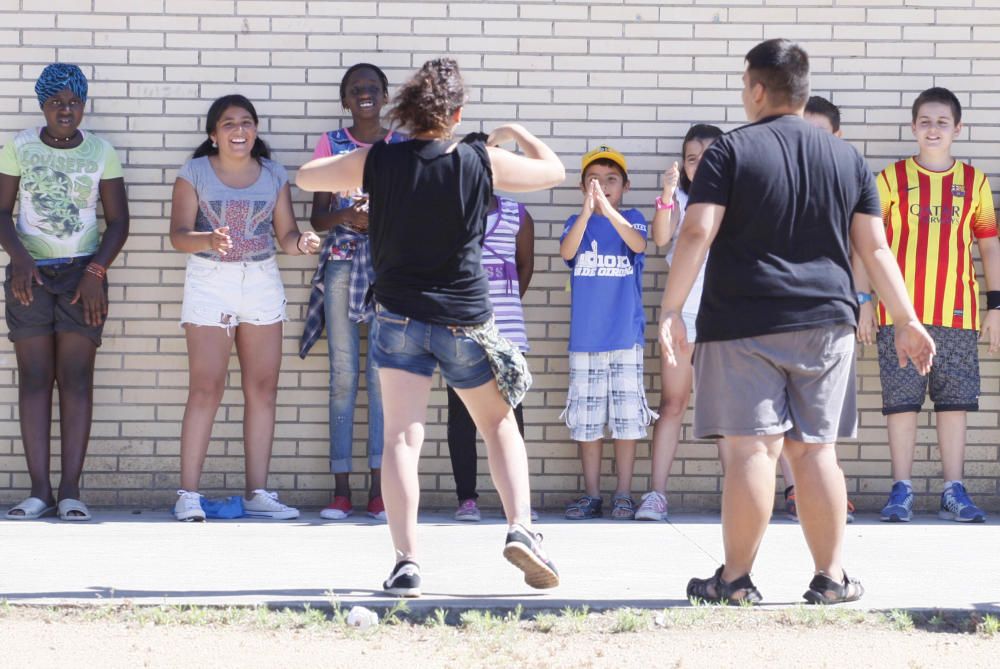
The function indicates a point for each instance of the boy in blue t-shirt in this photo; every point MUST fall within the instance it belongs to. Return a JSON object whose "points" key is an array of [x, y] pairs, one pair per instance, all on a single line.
{"points": [[605, 249]]}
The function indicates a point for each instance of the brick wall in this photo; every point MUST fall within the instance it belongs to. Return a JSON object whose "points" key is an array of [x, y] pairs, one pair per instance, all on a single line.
{"points": [[632, 73]]}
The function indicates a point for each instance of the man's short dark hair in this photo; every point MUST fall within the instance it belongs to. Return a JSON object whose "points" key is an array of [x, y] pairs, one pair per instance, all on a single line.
{"points": [[820, 106], [942, 95], [782, 67]]}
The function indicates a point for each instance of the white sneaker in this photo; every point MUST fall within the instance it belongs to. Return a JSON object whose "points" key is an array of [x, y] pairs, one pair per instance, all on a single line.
{"points": [[653, 507], [265, 504], [188, 506]]}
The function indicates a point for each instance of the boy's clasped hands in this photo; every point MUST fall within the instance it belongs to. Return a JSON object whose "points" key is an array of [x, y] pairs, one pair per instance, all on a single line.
{"points": [[594, 199]]}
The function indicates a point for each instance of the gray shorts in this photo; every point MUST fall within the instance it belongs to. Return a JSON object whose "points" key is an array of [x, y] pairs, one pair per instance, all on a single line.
{"points": [[800, 384], [953, 380]]}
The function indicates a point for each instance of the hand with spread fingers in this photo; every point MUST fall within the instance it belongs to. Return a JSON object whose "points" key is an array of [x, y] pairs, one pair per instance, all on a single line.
{"points": [[913, 343], [90, 291], [990, 332], [673, 337], [23, 272], [867, 323]]}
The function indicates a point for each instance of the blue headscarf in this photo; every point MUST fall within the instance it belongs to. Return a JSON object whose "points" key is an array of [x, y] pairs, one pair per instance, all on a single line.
{"points": [[58, 76]]}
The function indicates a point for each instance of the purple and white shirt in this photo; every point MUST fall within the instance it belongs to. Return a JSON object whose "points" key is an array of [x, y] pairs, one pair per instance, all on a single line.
{"points": [[499, 251]]}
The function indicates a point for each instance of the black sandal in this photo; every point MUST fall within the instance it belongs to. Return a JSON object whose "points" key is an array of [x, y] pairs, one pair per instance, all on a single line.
{"points": [[699, 588], [824, 590]]}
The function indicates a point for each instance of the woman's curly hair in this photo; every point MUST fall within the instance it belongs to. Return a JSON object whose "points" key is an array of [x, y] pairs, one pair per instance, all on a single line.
{"points": [[427, 101]]}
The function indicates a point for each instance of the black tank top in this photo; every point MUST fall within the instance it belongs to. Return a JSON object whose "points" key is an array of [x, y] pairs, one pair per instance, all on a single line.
{"points": [[427, 220]]}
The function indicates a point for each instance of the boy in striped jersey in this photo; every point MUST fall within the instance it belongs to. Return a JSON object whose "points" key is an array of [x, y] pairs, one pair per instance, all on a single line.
{"points": [[934, 207]]}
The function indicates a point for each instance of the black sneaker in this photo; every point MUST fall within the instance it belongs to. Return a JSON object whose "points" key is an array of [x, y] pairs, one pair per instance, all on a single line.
{"points": [[404, 581], [524, 550]]}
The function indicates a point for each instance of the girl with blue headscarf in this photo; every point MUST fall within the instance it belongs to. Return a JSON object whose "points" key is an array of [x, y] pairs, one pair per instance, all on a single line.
{"points": [[56, 285]]}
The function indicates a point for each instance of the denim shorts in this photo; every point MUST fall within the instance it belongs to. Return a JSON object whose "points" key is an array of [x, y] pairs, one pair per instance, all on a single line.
{"points": [[228, 294], [413, 346], [51, 310]]}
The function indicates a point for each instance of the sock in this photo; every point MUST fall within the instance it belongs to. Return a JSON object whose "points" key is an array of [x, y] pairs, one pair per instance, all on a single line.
{"points": [[948, 484], [907, 482]]}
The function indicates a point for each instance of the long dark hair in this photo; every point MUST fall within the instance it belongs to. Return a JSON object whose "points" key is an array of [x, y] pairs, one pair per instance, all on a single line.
{"points": [[699, 132], [259, 149], [426, 102]]}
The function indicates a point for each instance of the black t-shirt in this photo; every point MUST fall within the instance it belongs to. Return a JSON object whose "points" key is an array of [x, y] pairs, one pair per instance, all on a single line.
{"points": [[780, 261], [427, 219]]}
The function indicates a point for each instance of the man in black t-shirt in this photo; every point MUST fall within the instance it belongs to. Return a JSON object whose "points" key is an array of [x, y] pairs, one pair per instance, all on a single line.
{"points": [[780, 203]]}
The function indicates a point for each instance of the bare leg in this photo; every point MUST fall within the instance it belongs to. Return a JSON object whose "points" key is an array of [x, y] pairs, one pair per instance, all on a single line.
{"points": [[786, 470], [36, 374], [674, 397], [951, 441], [259, 351], [590, 457], [902, 442], [625, 464], [404, 402], [208, 361], [508, 459], [821, 495], [747, 497], [75, 376]]}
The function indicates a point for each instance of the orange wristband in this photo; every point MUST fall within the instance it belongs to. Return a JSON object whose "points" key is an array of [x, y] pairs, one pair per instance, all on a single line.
{"points": [[97, 270]]}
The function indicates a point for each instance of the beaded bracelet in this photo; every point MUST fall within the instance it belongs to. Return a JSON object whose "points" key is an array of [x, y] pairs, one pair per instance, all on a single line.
{"points": [[97, 270]]}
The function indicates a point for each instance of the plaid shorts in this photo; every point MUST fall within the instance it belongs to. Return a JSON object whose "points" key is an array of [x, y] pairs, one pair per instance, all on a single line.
{"points": [[953, 380], [606, 388]]}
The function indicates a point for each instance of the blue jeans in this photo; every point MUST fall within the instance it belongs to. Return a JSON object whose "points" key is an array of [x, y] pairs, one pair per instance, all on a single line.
{"points": [[343, 342], [417, 347]]}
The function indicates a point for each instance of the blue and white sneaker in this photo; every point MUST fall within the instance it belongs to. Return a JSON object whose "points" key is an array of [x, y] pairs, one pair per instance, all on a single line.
{"points": [[899, 508], [957, 505]]}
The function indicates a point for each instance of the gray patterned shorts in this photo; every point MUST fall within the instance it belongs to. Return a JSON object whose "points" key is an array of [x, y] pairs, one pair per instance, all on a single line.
{"points": [[953, 380]]}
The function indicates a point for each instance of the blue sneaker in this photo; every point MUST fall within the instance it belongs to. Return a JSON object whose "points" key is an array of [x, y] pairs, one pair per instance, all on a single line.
{"points": [[899, 508], [956, 505]]}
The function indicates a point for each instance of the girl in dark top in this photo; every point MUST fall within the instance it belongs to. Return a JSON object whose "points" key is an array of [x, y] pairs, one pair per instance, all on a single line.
{"points": [[428, 203]]}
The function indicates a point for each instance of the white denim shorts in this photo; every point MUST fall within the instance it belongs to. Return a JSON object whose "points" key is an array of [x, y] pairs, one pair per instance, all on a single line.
{"points": [[228, 294]]}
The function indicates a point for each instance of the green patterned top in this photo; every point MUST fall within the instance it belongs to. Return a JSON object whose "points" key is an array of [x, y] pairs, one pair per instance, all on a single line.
{"points": [[58, 192]]}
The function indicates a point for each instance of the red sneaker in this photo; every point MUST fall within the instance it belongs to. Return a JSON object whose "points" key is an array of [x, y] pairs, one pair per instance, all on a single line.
{"points": [[338, 509], [376, 508]]}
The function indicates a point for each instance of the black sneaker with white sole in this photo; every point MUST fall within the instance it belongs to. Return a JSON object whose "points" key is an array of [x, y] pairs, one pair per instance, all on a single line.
{"points": [[524, 550], [404, 581]]}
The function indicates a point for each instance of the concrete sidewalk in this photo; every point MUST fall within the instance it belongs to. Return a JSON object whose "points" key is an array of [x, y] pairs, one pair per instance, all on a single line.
{"points": [[148, 558]]}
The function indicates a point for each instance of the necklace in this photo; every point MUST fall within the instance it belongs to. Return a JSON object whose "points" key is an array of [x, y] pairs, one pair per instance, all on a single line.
{"points": [[57, 139]]}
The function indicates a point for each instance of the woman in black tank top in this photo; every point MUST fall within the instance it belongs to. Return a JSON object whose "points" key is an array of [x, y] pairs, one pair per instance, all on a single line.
{"points": [[428, 204]]}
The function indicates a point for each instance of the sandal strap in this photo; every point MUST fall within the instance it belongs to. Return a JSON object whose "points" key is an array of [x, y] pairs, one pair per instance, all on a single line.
{"points": [[723, 590]]}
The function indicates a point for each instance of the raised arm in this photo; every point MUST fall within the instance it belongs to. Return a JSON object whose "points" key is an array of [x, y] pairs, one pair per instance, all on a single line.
{"points": [[665, 220], [539, 168], [343, 172]]}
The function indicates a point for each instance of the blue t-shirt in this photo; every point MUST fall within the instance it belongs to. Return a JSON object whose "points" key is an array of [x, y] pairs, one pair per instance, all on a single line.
{"points": [[606, 309]]}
